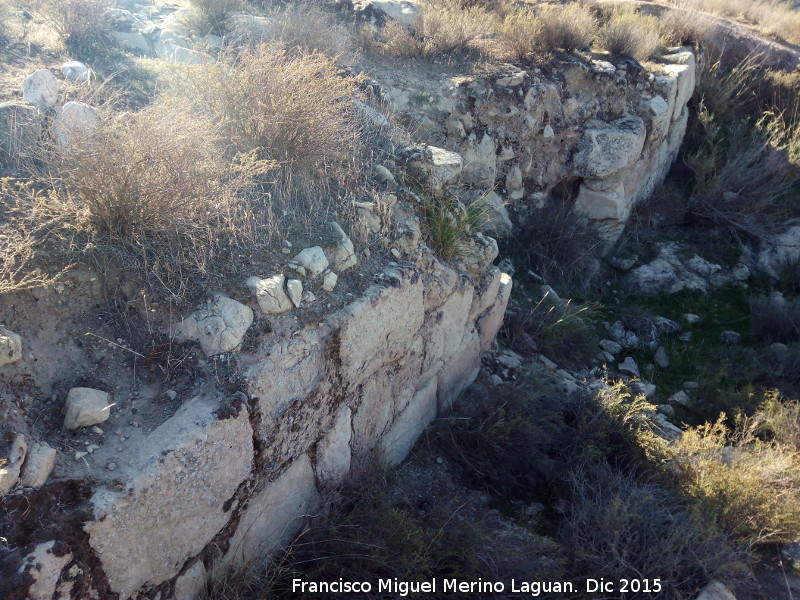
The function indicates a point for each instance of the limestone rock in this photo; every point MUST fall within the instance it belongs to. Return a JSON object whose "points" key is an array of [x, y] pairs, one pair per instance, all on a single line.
{"points": [[333, 451], [271, 297], [489, 322], [10, 347], [715, 591], [497, 221], [189, 585], [731, 338], [643, 388], [85, 407], [661, 358], [409, 424], [681, 398], [175, 494], [312, 260], [329, 281], [76, 71], [402, 11], [629, 367], [219, 326], [21, 127], [446, 166], [607, 148], [383, 175], [74, 121], [345, 253], [611, 347], [10, 467], [41, 89], [132, 41], [294, 288], [38, 465], [665, 429], [274, 516], [44, 566]]}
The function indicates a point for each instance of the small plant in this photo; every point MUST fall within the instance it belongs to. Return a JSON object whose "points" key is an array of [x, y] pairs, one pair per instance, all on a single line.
{"points": [[680, 26], [566, 27], [450, 223], [629, 33]]}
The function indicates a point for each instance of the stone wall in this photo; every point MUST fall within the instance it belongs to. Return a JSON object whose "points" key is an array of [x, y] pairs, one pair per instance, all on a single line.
{"points": [[608, 132], [232, 475]]}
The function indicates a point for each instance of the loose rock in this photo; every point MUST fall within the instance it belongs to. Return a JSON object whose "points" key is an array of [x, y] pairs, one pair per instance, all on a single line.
{"points": [[219, 326], [41, 88], [76, 71], [10, 347], [295, 289], [38, 465], [312, 260], [10, 467], [629, 367], [329, 281], [86, 407]]}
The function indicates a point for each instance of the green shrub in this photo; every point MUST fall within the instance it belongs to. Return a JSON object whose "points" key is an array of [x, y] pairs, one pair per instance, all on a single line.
{"points": [[450, 223]]}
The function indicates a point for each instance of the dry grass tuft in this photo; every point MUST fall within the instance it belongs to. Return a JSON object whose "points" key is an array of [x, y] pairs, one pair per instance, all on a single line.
{"points": [[630, 33], [680, 26]]}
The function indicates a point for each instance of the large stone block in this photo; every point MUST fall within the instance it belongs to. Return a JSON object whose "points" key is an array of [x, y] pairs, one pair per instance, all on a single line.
{"points": [[459, 372], [274, 516], [376, 330], [333, 451], [176, 494], [490, 321], [607, 148], [409, 424]]}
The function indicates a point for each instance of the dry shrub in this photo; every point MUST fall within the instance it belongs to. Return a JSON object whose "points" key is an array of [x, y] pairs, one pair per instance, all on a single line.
{"points": [[566, 27], [772, 17], [307, 26], [680, 26], [444, 28], [80, 23], [742, 481], [296, 110], [629, 33], [24, 231], [213, 15], [742, 172], [620, 526], [155, 192], [519, 34], [775, 319]]}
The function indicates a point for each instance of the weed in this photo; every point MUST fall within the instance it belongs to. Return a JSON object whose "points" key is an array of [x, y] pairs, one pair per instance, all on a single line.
{"points": [[680, 27]]}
